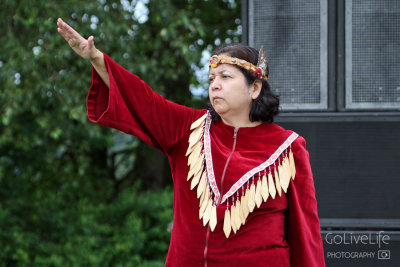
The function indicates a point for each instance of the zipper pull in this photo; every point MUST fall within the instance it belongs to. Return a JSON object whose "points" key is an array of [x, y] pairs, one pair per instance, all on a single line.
{"points": [[235, 133]]}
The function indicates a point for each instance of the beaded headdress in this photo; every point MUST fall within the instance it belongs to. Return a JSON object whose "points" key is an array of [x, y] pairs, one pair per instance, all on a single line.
{"points": [[259, 71]]}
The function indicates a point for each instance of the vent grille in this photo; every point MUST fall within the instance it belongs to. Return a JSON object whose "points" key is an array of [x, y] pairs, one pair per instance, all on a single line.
{"points": [[372, 54], [294, 36]]}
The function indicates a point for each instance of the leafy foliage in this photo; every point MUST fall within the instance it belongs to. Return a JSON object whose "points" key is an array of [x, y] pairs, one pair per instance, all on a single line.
{"points": [[67, 186], [131, 231]]}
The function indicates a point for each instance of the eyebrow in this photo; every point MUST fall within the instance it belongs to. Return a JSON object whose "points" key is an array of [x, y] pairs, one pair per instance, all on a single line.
{"points": [[220, 72]]}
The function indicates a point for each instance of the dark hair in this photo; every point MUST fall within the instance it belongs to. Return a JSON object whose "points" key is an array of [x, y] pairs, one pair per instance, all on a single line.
{"points": [[266, 106]]}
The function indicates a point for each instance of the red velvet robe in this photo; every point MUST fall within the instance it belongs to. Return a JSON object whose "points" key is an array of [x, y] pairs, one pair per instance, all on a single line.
{"points": [[284, 231]]}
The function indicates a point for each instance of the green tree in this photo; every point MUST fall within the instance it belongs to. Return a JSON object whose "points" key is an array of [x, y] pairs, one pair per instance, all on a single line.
{"points": [[59, 173]]}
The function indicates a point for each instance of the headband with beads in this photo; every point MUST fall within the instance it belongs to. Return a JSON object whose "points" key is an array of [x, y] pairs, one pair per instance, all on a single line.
{"points": [[258, 71]]}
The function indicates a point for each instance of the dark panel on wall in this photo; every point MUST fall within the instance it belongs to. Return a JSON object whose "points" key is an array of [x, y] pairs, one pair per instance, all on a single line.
{"points": [[356, 167]]}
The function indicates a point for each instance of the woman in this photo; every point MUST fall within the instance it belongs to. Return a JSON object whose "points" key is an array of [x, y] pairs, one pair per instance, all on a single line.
{"points": [[243, 187]]}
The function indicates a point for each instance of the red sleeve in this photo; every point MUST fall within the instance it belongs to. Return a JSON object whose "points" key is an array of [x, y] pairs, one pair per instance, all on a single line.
{"points": [[131, 106], [302, 222]]}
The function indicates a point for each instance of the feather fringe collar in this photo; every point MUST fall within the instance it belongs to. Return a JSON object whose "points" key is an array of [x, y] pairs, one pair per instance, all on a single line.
{"points": [[250, 191]]}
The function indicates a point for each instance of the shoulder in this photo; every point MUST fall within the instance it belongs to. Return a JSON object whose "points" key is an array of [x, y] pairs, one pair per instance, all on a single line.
{"points": [[298, 142], [198, 113], [276, 129]]}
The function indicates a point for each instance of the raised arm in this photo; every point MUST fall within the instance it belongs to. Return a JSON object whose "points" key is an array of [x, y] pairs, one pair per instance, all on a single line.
{"points": [[84, 48]]}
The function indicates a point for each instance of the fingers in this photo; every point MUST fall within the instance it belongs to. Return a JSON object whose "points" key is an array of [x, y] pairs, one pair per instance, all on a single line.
{"points": [[67, 31], [83, 47], [91, 42], [61, 28], [62, 33], [65, 27], [92, 49]]}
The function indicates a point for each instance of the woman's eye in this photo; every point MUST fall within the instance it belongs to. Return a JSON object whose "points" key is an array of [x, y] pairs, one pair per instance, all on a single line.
{"points": [[210, 79], [225, 76]]}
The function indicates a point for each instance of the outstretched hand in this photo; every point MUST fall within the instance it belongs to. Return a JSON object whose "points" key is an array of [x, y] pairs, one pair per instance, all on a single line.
{"points": [[83, 47]]}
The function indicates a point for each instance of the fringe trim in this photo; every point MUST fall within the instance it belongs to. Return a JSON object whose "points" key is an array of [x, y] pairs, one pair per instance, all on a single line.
{"points": [[250, 191], [198, 174]]}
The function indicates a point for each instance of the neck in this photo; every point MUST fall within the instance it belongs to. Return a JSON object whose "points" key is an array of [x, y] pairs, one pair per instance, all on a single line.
{"points": [[240, 122]]}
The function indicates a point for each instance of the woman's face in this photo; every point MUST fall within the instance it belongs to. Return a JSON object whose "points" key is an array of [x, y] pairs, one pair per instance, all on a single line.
{"points": [[229, 93]]}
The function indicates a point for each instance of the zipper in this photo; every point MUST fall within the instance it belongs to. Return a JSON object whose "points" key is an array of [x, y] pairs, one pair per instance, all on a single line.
{"points": [[206, 246], [219, 201], [227, 162]]}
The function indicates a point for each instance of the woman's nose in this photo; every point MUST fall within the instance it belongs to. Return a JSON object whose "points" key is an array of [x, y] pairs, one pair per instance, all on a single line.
{"points": [[215, 85]]}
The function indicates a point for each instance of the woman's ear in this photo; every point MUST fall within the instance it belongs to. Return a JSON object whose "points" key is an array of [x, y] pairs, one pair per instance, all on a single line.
{"points": [[256, 89]]}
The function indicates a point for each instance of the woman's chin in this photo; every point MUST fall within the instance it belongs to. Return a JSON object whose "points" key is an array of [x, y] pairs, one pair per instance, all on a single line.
{"points": [[220, 110]]}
